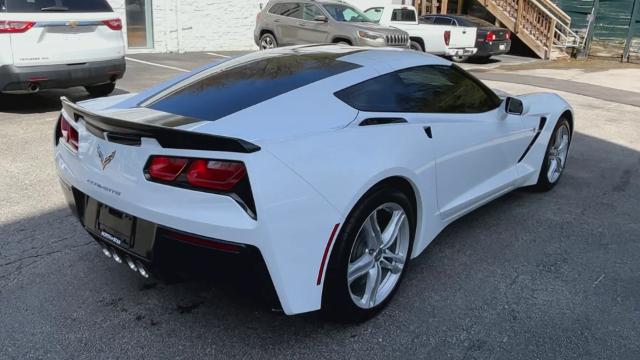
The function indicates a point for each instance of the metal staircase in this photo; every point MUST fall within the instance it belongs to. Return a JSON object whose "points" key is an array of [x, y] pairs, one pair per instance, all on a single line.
{"points": [[540, 24]]}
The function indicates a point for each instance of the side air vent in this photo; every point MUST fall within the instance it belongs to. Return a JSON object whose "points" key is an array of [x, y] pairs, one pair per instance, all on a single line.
{"points": [[543, 121], [382, 121]]}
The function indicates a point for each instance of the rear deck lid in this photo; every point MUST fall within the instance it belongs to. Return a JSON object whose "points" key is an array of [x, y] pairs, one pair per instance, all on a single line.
{"points": [[63, 31]]}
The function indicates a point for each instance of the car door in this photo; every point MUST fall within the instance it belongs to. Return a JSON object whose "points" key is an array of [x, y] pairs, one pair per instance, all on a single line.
{"points": [[309, 30], [477, 143], [286, 23]]}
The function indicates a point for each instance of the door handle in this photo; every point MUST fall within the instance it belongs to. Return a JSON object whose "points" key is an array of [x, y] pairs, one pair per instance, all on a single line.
{"points": [[427, 130], [276, 20], [302, 24]]}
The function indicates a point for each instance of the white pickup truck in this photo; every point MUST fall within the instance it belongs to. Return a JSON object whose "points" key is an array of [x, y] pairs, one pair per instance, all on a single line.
{"points": [[458, 42]]}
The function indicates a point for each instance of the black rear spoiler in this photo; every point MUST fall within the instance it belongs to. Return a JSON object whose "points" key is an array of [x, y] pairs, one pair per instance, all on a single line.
{"points": [[160, 127]]}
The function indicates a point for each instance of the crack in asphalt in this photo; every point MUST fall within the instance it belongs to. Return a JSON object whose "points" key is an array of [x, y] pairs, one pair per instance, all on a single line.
{"points": [[44, 254]]}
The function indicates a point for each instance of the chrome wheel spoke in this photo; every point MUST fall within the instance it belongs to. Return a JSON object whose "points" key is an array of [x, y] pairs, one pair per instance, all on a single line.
{"points": [[394, 267], [374, 277], [372, 229], [360, 267], [393, 228], [396, 258]]}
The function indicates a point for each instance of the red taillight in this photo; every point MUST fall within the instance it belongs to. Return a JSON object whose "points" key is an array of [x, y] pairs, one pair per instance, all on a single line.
{"points": [[507, 35], [13, 27], [204, 242], [490, 37], [113, 24], [69, 134], [215, 174], [447, 37], [166, 168]]}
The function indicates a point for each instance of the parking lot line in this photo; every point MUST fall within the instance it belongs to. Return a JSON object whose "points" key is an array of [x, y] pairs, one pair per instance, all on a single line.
{"points": [[158, 65], [220, 55]]}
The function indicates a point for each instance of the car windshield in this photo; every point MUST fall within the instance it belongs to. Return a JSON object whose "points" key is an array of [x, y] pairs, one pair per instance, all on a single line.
{"points": [[345, 13], [374, 13], [37, 6]]}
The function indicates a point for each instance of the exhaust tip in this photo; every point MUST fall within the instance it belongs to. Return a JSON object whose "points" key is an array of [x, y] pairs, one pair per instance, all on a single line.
{"points": [[33, 87], [142, 270], [131, 264], [116, 256], [105, 251]]}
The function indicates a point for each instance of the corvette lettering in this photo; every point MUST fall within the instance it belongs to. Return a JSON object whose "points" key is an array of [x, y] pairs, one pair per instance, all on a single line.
{"points": [[104, 188]]}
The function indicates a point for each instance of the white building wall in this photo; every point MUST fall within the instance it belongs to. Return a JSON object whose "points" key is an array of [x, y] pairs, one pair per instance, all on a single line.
{"points": [[199, 25]]}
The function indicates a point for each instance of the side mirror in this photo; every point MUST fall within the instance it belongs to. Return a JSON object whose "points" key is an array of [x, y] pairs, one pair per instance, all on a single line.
{"points": [[320, 18], [513, 106]]}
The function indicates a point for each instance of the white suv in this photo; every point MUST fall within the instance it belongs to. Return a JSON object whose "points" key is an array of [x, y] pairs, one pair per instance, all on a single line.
{"points": [[47, 44]]}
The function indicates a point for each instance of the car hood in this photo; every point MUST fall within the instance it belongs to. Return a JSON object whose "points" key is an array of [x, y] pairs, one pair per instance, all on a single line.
{"points": [[378, 28]]}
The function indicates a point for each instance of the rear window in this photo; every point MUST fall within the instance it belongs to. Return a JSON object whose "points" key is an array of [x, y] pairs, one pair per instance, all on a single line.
{"points": [[37, 6], [403, 15], [226, 92]]}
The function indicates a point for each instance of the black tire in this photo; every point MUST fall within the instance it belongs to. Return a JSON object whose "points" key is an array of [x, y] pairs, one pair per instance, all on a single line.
{"points": [[416, 46], [337, 304], [342, 42], [100, 90], [543, 183], [268, 41], [459, 58], [482, 59]]}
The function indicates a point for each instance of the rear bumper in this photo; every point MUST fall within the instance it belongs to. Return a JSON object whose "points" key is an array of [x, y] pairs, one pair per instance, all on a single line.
{"points": [[492, 48], [461, 51], [166, 254], [18, 78]]}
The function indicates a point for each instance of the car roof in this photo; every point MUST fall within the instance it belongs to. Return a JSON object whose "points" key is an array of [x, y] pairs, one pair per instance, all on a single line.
{"points": [[306, 64]]}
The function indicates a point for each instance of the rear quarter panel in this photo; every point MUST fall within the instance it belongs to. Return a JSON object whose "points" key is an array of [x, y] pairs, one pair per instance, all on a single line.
{"points": [[343, 165]]}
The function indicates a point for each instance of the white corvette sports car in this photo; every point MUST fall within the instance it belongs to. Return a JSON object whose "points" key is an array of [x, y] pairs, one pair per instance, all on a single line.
{"points": [[324, 168]]}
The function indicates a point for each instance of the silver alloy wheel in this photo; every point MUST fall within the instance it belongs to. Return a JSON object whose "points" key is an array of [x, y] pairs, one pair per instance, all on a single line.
{"points": [[267, 42], [557, 154], [378, 256]]}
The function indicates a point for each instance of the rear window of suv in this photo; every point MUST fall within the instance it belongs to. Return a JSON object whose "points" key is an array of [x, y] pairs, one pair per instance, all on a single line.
{"points": [[39, 6]]}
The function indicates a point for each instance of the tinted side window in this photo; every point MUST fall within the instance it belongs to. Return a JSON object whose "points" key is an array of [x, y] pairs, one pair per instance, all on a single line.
{"points": [[424, 89], [403, 15], [293, 10], [310, 12], [426, 20], [37, 6], [442, 21], [277, 9]]}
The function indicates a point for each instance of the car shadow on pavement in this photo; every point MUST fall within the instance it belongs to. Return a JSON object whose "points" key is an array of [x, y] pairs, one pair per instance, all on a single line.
{"points": [[42, 102], [521, 274]]}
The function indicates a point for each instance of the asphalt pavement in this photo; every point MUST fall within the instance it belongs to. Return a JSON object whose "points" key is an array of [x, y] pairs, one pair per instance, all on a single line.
{"points": [[529, 276]]}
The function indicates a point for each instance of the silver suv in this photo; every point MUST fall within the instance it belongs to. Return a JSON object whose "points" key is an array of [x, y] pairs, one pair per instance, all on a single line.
{"points": [[290, 22]]}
